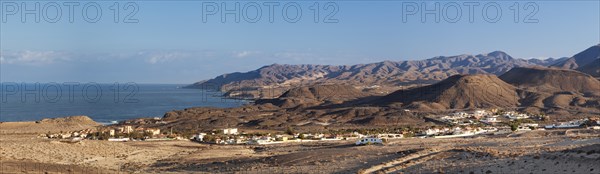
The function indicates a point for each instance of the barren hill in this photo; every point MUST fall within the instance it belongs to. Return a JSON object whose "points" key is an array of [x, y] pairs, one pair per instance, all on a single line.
{"points": [[322, 92], [70, 123], [316, 94], [551, 80], [457, 92], [69, 120]]}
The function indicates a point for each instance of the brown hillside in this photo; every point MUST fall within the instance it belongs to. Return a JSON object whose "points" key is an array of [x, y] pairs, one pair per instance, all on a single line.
{"points": [[458, 92], [316, 94], [550, 80], [591, 68], [322, 92], [580, 59]]}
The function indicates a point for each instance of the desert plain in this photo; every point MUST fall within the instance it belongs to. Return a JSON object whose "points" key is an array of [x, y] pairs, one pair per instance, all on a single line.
{"points": [[549, 151]]}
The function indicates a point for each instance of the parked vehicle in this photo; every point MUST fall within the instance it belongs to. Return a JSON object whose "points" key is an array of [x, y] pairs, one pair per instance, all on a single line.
{"points": [[367, 141]]}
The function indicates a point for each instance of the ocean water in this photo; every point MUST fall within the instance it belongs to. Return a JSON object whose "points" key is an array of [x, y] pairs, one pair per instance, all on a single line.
{"points": [[104, 103]]}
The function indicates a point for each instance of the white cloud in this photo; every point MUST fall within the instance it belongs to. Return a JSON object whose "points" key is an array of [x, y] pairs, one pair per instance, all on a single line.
{"points": [[162, 57], [156, 57], [27, 57], [33, 57], [244, 54]]}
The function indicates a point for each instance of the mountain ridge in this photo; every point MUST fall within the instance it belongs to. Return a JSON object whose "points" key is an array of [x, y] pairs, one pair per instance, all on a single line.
{"points": [[587, 58], [384, 73]]}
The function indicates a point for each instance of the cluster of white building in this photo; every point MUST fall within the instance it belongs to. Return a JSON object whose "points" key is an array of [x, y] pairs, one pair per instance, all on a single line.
{"points": [[569, 124], [130, 129], [232, 136], [65, 135], [113, 133], [483, 116], [515, 115], [447, 132]]}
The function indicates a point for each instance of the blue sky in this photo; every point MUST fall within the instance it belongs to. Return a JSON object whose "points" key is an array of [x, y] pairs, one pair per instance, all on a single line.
{"points": [[171, 43]]}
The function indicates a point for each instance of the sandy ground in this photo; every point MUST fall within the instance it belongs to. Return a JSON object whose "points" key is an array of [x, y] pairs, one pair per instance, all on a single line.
{"points": [[574, 151]]}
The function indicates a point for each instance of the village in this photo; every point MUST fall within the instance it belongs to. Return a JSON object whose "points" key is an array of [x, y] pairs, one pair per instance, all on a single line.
{"points": [[457, 124]]}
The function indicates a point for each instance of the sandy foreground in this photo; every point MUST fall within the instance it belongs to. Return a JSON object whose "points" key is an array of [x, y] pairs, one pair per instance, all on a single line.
{"points": [[559, 151]]}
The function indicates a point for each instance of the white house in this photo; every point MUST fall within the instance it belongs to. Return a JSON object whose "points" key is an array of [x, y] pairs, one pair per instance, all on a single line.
{"points": [[200, 137], [230, 131], [479, 113], [365, 141], [432, 131], [153, 131], [126, 129], [515, 115], [570, 124], [490, 119]]}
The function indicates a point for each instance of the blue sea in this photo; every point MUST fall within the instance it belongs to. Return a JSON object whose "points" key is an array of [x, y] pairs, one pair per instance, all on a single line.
{"points": [[105, 103]]}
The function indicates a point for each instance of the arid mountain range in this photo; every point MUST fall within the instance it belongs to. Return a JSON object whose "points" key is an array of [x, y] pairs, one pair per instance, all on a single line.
{"points": [[347, 96], [562, 94], [273, 80]]}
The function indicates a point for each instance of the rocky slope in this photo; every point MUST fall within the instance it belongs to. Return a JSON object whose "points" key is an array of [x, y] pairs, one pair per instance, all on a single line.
{"points": [[457, 92], [557, 91], [551, 80], [315, 95], [535, 90], [271, 81], [592, 68], [587, 61]]}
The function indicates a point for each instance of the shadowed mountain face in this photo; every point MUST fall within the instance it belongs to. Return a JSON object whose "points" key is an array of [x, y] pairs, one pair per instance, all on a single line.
{"points": [[315, 95], [324, 92], [385, 73], [587, 61], [457, 92], [551, 90], [535, 89], [550, 80], [592, 68]]}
